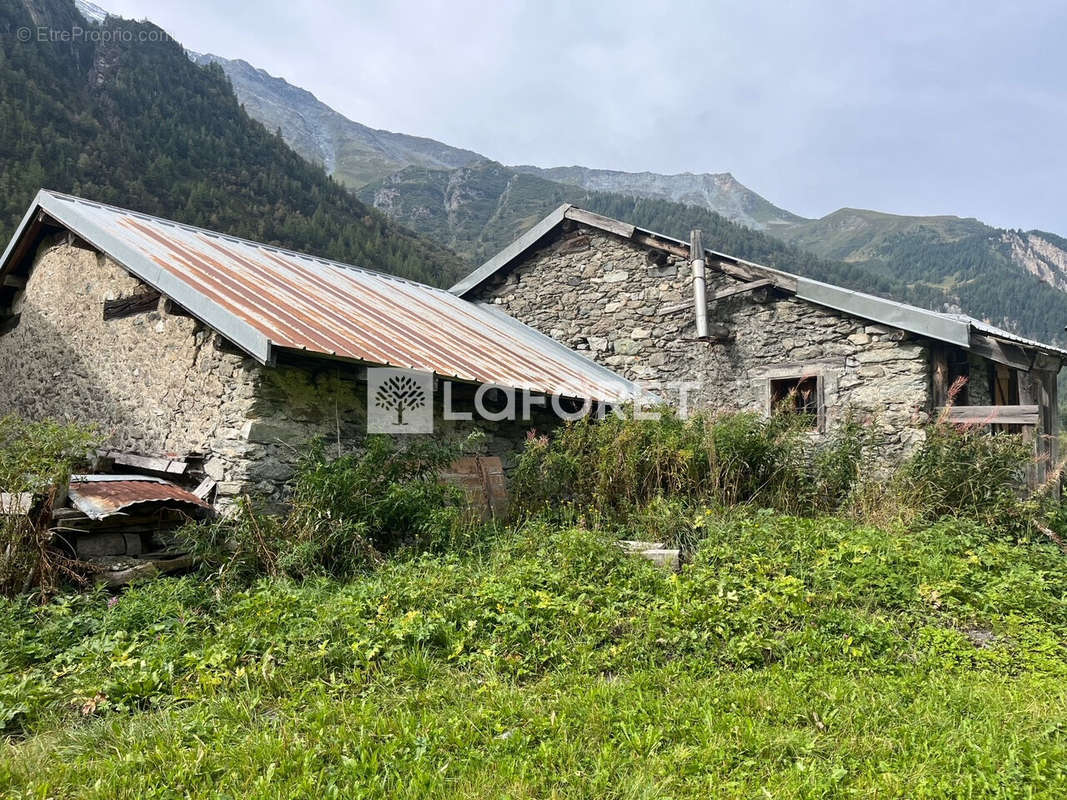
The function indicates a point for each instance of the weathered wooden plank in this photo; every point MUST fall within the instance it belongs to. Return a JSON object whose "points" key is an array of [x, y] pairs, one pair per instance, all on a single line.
{"points": [[676, 307], [168, 466], [939, 364], [659, 243], [482, 480], [14, 282], [205, 488], [140, 303], [988, 415], [741, 288], [742, 273], [583, 217], [67, 514], [1001, 352], [752, 272]]}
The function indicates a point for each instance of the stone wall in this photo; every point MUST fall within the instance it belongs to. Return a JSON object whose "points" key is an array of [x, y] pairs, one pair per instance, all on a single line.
{"points": [[159, 382], [156, 382], [604, 296], [301, 398]]}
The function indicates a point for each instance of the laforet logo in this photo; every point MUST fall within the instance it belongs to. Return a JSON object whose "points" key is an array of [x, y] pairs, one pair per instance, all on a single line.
{"points": [[399, 401]]}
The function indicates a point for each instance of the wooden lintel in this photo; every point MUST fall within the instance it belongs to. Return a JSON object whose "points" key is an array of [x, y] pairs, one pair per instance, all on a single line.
{"points": [[583, 217], [673, 248], [1009, 355], [992, 415], [140, 303], [741, 288]]}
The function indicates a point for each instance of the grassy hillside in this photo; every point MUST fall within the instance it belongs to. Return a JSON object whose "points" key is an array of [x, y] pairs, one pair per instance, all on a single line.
{"points": [[374, 641], [127, 119], [852, 234], [794, 657]]}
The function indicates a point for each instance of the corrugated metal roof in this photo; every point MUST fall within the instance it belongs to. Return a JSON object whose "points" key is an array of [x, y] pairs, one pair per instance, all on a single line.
{"points": [[938, 325], [100, 496], [1000, 333], [263, 297]]}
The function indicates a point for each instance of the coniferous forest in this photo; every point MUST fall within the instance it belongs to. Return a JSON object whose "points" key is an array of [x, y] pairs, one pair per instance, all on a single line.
{"points": [[127, 119]]}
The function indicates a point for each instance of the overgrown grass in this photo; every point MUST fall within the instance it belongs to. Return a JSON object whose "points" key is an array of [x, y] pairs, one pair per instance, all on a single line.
{"points": [[796, 654], [805, 656], [344, 514], [35, 458], [649, 474]]}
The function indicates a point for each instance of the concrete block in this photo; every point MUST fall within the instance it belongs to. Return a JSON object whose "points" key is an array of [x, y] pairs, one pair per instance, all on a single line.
{"points": [[668, 559]]}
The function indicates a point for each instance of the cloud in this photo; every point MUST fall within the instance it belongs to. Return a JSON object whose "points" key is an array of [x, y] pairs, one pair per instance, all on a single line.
{"points": [[933, 107]]}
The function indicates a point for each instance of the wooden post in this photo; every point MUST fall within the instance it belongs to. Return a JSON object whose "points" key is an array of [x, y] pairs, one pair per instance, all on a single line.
{"points": [[939, 373]]}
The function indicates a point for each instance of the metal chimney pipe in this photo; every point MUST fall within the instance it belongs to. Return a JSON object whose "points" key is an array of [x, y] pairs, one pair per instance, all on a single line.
{"points": [[700, 297]]}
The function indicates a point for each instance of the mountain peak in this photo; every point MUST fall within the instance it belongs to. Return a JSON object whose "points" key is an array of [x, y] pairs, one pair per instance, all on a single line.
{"points": [[91, 11], [720, 192]]}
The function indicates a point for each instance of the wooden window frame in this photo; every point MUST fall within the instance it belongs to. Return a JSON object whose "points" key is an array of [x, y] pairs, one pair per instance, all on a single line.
{"points": [[819, 425]]}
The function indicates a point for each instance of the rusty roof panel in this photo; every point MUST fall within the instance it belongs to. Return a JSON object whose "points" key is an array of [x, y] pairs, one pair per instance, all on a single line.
{"points": [[101, 496], [263, 297]]}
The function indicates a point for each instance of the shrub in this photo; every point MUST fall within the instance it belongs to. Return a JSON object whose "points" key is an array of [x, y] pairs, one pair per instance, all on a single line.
{"points": [[344, 513], [35, 458], [612, 467], [961, 470]]}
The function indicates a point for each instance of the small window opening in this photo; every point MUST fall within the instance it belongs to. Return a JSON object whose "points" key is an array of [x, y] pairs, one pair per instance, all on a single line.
{"points": [[1005, 391], [797, 396], [959, 374]]}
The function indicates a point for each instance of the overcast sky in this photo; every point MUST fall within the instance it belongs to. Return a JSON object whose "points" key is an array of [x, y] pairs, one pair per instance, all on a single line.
{"points": [[918, 108]]}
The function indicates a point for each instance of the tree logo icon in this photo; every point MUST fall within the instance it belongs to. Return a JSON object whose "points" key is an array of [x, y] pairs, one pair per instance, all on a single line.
{"points": [[399, 401], [400, 393]]}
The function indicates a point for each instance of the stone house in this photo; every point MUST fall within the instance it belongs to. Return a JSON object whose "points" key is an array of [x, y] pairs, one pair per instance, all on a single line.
{"points": [[633, 300], [179, 341]]}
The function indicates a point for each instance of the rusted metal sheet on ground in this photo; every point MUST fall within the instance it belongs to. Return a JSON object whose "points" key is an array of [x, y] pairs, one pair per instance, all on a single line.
{"points": [[100, 496], [483, 481], [264, 298]]}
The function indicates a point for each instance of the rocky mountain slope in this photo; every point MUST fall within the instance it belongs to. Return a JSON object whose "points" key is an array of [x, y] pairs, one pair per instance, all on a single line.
{"points": [[721, 193], [352, 153], [357, 155], [461, 199]]}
